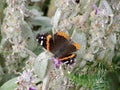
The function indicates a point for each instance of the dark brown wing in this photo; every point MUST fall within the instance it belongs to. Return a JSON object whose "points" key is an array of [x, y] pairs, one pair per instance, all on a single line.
{"points": [[58, 41], [62, 45]]}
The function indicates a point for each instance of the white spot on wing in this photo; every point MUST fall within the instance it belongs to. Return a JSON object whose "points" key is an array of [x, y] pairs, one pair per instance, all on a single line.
{"points": [[41, 43], [42, 37], [71, 60], [66, 62]]}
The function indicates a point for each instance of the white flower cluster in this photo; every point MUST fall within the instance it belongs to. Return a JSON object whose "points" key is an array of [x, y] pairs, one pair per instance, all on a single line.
{"points": [[26, 81], [12, 41]]}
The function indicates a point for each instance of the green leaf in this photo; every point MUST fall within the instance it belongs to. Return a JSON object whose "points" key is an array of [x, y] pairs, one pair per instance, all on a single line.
{"points": [[28, 36], [9, 85], [41, 20], [41, 64]]}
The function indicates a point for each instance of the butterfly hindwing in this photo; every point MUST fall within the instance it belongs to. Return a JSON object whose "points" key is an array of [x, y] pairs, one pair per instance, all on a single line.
{"points": [[68, 59]]}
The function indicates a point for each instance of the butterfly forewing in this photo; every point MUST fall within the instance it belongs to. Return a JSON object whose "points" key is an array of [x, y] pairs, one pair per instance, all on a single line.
{"points": [[44, 40], [59, 40]]}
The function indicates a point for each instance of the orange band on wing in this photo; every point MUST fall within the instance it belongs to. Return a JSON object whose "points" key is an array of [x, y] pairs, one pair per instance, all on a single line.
{"points": [[60, 33], [47, 43], [71, 56], [76, 45]]}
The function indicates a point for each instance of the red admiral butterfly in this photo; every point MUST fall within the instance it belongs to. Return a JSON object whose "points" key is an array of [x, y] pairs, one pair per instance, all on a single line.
{"points": [[60, 45]]}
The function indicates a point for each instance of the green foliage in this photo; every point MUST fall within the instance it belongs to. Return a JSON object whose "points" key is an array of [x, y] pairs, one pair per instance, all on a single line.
{"points": [[113, 79], [9, 85], [88, 81], [40, 65], [97, 78]]}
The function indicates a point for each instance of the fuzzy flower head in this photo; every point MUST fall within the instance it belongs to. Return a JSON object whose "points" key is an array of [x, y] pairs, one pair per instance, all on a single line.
{"points": [[69, 2], [26, 81], [56, 62]]}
